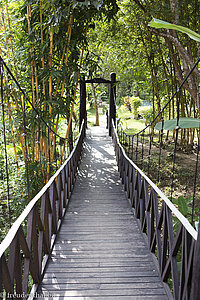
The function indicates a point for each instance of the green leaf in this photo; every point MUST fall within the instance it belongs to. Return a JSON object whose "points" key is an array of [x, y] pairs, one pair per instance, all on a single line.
{"points": [[183, 206], [156, 23], [183, 123]]}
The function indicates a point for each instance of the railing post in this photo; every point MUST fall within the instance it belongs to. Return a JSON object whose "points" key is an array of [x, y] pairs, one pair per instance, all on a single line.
{"points": [[82, 110], [196, 269], [112, 104], [1, 280]]}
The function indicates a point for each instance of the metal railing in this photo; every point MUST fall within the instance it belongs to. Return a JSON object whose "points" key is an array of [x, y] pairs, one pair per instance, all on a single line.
{"points": [[173, 246], [25, 250]]}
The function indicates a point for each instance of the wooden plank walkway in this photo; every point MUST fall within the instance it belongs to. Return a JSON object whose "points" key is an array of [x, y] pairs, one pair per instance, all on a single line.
{"points": [[100, 252]]}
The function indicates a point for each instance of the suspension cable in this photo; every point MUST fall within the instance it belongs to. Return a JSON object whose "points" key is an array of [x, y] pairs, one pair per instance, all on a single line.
{"points": [[195, 177], [160, 150], [150, 144], [5, 144], [26, 149], [176, 139]]}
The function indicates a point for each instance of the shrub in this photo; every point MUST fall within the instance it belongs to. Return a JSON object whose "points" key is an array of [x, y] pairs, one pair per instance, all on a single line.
{"points": [[136, 102], [127, 102]]}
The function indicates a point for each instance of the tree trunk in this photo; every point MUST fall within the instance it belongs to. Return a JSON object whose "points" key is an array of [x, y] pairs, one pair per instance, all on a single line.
{"points": [[95, 104]]}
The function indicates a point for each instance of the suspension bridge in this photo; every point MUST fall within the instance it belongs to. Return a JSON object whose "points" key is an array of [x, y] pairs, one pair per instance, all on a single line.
{"points": [[100, 229]]}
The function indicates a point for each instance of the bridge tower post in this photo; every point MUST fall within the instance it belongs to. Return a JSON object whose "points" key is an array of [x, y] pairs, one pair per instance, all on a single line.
{"points": [[82, 109], [196, 269], [112, 103]]}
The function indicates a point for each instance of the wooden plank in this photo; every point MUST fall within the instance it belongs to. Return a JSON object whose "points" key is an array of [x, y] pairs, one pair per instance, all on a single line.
{"points": [[58, 297], [105, 280], [101, 286], [113, 257], [119, 274], [62, 264], [128, 292]]}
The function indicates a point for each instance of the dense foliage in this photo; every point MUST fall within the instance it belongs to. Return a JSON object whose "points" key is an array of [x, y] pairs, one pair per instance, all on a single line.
{"points": [[43, 43], [151, 62]]}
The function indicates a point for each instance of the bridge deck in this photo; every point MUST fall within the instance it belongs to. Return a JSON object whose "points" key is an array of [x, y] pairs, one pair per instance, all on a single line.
{"points": [[100, 252]]}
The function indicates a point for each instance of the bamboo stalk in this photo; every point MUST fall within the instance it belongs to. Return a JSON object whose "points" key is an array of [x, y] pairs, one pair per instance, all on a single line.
{"points": [[12, 133], [95, 104], [66, 58], [72, 108], [42, 42], [54, 144], [31, 52], [50, 94], [43, 142], [20, 136], [32, 77], [34, 83], [68, 43], [9, 27], [50, 65], [6, 39], [5, 33], [61, 64]]}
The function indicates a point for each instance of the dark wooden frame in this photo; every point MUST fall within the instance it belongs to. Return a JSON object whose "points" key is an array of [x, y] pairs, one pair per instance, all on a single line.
{"points": [[112, 102], [155, 213], [25, 250]]}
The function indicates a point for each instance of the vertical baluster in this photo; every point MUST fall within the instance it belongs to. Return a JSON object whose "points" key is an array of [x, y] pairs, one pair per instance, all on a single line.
{"points": [[35, 243], [136, 152], [12, 261], [150, 142], [59, 190], [129, 145], [132, 147], [6, 281], [164, 240], [143, 199], [49, 216], [18, 269], [196, 269], [160, 148], [1, 279], [64, 187], [142, 142], [137, 196], [70, 175], [67, 181], [28, 259], [41, 235]]}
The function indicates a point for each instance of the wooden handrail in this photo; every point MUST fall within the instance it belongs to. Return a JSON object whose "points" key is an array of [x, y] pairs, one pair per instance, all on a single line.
{"points": [[171, 206], [155, 213], [13, 230], [44, 213]]}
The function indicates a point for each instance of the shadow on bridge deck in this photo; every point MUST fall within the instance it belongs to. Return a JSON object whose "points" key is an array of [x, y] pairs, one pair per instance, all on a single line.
{"points": [[100, 252]]}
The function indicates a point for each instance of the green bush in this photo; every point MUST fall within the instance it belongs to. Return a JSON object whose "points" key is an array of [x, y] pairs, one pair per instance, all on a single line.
{"points": [[136, 102]]}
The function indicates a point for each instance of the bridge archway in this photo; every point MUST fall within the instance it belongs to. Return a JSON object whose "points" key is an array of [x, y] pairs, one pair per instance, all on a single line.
{"points": [[112, 98]]}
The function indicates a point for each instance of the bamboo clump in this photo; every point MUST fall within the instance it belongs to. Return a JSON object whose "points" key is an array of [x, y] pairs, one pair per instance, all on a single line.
{"points": [[72, 107], [39, 145]]}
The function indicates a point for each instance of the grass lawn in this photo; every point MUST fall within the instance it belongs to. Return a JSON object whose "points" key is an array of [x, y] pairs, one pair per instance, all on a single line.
{"points": [[129, 124], [91, 116]]}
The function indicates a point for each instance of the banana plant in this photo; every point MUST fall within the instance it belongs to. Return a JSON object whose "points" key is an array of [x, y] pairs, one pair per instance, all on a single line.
{"points": [[156, 23]]}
